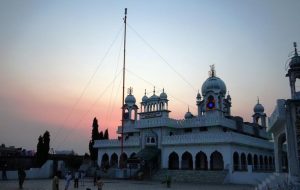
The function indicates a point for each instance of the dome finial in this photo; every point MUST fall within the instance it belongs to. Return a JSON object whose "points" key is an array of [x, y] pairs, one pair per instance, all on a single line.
{"points": [[145, 92], [257, 100], [130, 89], [163, 90], [295, 46], [188, 108], [212, 72], [154, 90]]}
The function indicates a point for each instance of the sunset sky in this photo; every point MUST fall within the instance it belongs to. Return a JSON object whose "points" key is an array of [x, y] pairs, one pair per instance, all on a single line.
{"points": [[61, 61]]}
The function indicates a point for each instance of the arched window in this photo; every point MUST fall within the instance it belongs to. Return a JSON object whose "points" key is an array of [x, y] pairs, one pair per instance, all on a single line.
{"points": [[152, 140], [186, 161], [249, 159], [216, 161], [201, 161], [123, 160], [243, 162], [105, 161], [173, 161], [236, 163], [114, 160]]}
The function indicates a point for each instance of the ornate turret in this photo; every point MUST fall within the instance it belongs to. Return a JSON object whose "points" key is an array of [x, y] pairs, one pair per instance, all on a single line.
{"points": [[294, 73], [259, 117], [154, 106], [130, 108]]}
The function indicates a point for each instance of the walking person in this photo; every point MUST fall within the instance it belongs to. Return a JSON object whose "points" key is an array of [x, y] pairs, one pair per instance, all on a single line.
{"points": [[95, 177], [100, 183], [55, 182], [76, 178], [82, 175], [68, 180], [4, 176], [21, 176]]}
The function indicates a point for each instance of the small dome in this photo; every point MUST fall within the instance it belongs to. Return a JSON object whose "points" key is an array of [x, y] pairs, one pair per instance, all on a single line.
{"points": [[154, 97], [228, 97], [188, 114], [163, 95], [130, 100], [258, 108], [295, 61], [145, 97], [214, 84], [198, 97]]}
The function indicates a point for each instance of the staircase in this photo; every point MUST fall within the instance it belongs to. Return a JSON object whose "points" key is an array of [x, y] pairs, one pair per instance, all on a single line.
{"points": [[199, 176], [274, 181]]}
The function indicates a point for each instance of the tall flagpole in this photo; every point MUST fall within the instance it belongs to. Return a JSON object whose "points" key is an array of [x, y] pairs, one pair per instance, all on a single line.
{"points": [[123, 111]]}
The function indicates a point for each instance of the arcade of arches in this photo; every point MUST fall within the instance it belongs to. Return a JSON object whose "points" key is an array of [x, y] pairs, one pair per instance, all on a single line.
{"points": [[215, 161], [201, 162], [258, 162], [114, 160]]}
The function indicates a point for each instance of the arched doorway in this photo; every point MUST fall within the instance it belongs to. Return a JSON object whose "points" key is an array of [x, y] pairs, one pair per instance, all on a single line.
{"points": [[266, 161], [186, 161], [216, 161], [123, 160], [132, 155], [282, 154], [243, 162], [105, 161], [255, 162], [201, 161], [249, 159], [114, 160], [173, 161], [236, 163], [271, 164], [261, 162]]}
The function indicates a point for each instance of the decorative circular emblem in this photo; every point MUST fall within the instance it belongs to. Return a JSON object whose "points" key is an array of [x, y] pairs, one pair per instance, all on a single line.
{"points": [[210, 103]]}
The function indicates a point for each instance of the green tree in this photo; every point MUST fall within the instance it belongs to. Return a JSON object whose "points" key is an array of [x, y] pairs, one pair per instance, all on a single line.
{"points": [[42, 149], [95, 132], [46, 144], [101, 136], [106, 136], [39, 150], [95, 136]]}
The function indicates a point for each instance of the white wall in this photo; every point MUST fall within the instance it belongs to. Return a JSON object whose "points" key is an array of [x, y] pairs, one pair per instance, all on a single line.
{"points": [[46, 171], [252, 178]]}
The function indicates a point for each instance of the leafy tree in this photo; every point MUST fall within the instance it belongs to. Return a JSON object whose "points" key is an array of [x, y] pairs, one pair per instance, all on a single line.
{"points": [[39, 149], [101, 136], [95, 136], [95, 132], [43, 148], [46, 144], [106, 136]]}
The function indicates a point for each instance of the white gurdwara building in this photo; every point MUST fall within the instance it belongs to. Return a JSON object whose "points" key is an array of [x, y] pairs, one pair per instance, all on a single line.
{"points": [[210, 146]]}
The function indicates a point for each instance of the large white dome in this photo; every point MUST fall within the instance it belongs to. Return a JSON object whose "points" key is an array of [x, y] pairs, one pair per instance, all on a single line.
{"points": [[213, 84]]}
